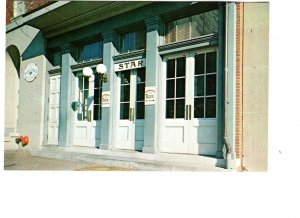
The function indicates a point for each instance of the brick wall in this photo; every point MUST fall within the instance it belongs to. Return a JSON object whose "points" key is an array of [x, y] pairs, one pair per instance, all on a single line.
{"points": [[33, 4], [239, 80], [9, 11]]}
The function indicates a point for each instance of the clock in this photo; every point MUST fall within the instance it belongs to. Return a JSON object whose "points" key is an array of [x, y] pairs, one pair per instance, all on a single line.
{"points": [[30, 72]]}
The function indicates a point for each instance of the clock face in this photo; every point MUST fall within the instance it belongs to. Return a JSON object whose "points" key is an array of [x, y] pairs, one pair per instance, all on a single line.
{"points": [[30, 72]]}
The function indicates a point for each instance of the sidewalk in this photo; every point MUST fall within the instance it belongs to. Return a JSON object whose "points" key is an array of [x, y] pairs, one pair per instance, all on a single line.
{"points": [[22, 160]]}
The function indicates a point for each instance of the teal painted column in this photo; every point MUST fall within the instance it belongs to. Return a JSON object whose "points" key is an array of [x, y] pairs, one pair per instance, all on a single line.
{"points": [[153, 63], [66, 114], [220, 84], [109, 41]]}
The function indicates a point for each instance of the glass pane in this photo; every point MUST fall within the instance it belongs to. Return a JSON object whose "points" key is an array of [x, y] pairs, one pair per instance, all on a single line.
{"points": [[197, 25], [140, 95], [180, 87], [125, 93], [170, 32], [80, 81], [210, 22], [124, 111], [95, 50], [170, 68], [86, 82], [86, 95], [140, 39], [180, 108], [199, 86], [211, 84], [79, 116], [125, 77], [101, 49], [170, 109], [180, 69], [183, 29], [210, 107], [211, 62], [199, 64], [170, 88], [88, 52], [96, 112], [141, 74], [198, 107], [140, 110]]}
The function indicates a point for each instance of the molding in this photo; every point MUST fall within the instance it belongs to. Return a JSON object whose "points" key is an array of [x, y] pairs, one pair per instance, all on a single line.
{"points": [[92, 63], [130, 56], [55, 70], [208, 40]]}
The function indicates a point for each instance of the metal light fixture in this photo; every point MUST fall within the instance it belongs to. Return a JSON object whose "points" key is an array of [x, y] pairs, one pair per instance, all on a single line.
{"points": [[100, 68]]}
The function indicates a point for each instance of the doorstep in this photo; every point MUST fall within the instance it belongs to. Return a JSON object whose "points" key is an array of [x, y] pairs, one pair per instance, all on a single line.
{"points": [[133, 159]]}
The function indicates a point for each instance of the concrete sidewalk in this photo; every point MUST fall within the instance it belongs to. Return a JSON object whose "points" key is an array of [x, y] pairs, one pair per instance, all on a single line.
{"points": [[20, 159]]}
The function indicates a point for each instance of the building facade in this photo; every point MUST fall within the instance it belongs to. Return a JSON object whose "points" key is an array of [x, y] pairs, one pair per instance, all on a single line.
{"points": [[152, 77]]}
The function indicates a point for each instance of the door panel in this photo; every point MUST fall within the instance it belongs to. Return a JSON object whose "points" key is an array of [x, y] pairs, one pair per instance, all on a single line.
{"points": [[53, 116]]}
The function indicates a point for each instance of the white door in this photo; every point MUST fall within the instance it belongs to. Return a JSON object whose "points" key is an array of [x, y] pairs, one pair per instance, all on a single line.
{"points": [[53, 117], [189, 124], [88, 120], [130, 131]]}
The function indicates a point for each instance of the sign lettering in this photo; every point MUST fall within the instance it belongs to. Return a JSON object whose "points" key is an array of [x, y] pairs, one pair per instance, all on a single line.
{"points": [[130, 65]]}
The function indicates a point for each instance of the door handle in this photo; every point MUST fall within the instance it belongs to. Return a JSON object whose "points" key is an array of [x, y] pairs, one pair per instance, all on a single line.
{"points": [[131, 114], [89, 116], [190, 112]]}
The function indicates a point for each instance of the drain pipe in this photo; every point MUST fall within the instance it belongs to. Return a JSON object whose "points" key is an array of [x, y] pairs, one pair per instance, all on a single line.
{"points": [[230, 153]]}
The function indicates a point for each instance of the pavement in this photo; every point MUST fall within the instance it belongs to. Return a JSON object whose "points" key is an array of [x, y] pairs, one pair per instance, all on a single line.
{"points": [[23, 160]]}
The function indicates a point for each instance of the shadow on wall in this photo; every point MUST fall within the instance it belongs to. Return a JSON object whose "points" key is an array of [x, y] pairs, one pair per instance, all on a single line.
{"points": [[14, 54], [35, 48]]}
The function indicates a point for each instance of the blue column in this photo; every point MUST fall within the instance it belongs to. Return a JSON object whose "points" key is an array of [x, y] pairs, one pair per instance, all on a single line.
{"points": [[66, 114], [109, 50], [153, 63]]}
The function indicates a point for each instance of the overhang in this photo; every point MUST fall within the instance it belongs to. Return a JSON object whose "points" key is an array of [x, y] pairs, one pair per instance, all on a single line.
{"points": [[63, 16]]}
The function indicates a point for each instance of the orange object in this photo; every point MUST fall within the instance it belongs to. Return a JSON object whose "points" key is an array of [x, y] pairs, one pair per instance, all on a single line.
{"points": [[23, 139]]}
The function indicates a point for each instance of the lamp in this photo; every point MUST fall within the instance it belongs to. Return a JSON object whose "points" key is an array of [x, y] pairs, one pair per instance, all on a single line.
{"points": [[100, 68]]}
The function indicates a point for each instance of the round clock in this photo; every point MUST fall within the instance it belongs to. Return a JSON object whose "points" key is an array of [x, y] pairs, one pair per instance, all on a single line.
{"points": [[30, 72]]}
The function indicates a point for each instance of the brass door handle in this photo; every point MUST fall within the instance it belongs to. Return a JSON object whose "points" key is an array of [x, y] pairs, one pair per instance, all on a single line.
{"points": [[190, 112], [89, 116], [131, 114]]}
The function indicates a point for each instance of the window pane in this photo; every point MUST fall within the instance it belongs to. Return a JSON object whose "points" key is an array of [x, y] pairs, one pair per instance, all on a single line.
{"points": [[180, 68], [197, 25], [211, 84], [180, 87], [95, 50], [170, 109], [86, 82], [198, 107], [211, 62], [199, 64], [211, 22], [140, 110], [210, 111], [125, 93], [140, 95], [125, 77], [183, 29], [140, 39], [170, 88], [179, 108], [170, 32], [170, 68], [124, 111], [141, 74], [199, 86]]}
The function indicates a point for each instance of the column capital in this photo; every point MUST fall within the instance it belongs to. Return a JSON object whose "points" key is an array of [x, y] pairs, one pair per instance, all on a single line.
{"points": [[66, 48], [153, 22]]}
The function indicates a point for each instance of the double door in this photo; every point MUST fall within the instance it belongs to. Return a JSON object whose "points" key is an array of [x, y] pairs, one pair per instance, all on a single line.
{"points": [[131, 109], [88, 113], [189, 81]]}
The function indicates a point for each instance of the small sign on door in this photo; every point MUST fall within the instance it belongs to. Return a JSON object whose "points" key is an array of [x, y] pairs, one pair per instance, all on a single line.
{"points": [[106, 99], [150, 95]]}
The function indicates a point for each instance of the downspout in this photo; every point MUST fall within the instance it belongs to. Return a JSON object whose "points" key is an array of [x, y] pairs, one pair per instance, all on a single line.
{"points": [[229, 145]]}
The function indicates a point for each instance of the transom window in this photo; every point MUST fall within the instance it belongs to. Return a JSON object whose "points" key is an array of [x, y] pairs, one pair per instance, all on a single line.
{"points": [[191, 27], [91, 51], [132, 41]]}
